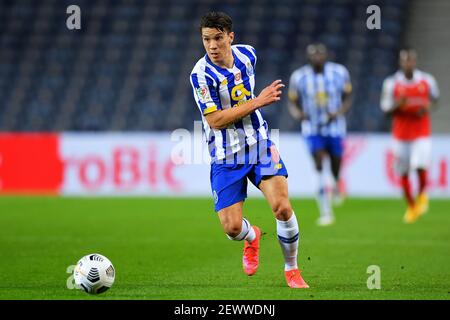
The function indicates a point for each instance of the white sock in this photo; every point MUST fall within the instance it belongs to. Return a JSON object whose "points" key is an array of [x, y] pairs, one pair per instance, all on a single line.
{"points": [[288, 236], [247, 232], [323, 200]]}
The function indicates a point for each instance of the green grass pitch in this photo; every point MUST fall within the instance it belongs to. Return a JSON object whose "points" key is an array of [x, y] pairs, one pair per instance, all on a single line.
{"points": [[175, 249]]}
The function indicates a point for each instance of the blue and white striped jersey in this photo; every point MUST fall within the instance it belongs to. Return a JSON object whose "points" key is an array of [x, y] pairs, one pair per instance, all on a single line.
{"points": [[319, 93], [217, 88]]}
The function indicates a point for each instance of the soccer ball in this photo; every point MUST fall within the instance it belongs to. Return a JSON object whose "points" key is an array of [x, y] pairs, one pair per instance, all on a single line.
{"points": [[94, 273]]}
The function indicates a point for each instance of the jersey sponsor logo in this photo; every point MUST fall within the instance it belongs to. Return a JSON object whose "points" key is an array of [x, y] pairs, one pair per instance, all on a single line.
{"points": [[321, 99], [203, 94], [417, 101], [239, 93], [401, 91]]}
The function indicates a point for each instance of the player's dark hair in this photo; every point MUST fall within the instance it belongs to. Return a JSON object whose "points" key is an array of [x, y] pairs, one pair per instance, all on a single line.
{"points": [[407, 50], [316, 47], [216, 20]]}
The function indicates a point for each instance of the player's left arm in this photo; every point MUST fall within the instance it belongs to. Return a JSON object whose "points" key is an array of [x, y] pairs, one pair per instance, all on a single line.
{"points": [[433, 98], [434, 93], [346, 100], [346, 96]]}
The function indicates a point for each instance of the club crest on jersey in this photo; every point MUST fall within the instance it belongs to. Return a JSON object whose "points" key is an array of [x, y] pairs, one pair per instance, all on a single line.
{"points": [[237, 77], [203, 94]]}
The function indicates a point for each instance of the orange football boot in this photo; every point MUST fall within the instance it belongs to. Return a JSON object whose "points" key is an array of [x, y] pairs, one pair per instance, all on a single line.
{"points": [[250, 259], [422, 203], [411, 215], [294, 279]]}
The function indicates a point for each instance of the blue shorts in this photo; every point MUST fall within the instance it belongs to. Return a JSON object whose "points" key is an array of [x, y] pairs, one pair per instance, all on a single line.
{"points": [[229, 180], [333, 145]]}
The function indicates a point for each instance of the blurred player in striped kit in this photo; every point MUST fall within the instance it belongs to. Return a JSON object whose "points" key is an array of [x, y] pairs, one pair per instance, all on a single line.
{"points": [[223, 83], [320, 95], [409, 95]]}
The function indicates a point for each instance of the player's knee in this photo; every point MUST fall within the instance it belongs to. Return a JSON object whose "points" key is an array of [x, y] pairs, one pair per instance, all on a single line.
{"points": [[282, 210], [232, 228]]}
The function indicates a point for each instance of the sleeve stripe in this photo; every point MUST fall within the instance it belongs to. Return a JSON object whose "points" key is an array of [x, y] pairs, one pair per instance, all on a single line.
{"points": [[209, 110], [348, 87], [292, 94]]}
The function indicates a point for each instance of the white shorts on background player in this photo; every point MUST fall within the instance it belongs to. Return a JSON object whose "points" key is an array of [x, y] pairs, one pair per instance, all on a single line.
{"points": [[411, 155]]}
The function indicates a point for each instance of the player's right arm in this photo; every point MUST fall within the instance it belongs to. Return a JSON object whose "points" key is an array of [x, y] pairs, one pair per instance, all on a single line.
{"points": [[431, 105], [388, 104], [221, 119]]}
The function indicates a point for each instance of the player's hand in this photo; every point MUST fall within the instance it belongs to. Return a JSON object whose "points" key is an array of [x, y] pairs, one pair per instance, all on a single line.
{"points": [[422, 111], [401, 102], [270, 94], [332, 116], [303, 116]]}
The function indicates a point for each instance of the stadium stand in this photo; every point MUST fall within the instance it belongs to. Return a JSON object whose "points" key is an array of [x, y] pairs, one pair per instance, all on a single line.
{"points": [[427, 31], [127, 68]]}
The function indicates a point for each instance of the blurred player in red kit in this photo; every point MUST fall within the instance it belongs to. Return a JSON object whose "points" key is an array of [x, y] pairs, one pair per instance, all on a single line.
{"points": [[409, 95]]}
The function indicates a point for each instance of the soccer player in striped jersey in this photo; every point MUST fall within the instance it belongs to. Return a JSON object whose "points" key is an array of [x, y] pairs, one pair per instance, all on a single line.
{"points": [[319, 97], [409, 95], [223, 83]]}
